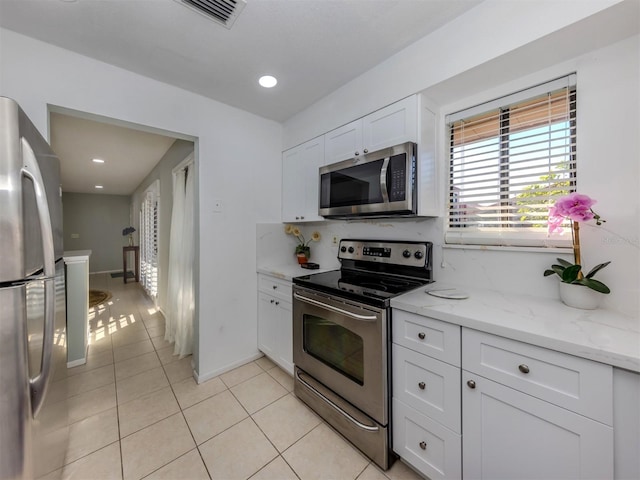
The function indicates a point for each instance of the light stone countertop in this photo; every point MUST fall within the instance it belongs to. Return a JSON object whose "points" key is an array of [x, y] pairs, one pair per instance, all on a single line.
{"points": [[599, 335], [288, 271]]}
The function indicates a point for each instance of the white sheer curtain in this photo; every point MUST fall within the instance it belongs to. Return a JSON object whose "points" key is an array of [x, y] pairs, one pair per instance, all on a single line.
{"points": [[180, 305]]}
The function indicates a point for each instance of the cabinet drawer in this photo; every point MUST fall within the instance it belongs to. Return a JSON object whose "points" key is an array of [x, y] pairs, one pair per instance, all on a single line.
{"points": [[576, 384], [430, 448], [430, 386], [425, 335], [274, 286]]}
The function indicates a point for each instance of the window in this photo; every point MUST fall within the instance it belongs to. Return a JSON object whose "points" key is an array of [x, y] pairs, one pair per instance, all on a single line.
{"points": [[149, 240], [509, 160]]}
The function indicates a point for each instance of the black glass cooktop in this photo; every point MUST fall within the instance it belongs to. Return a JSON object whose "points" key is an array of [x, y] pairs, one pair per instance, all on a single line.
{"points": [[372, 288]]}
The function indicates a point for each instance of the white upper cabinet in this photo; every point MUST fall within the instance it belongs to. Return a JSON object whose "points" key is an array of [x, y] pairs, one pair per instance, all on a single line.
{"points": [[300, 181], [392, 125]]}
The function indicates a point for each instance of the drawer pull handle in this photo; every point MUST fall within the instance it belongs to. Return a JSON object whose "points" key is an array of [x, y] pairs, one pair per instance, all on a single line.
{"points": [[423, 445], [523, 368], [471, 384], [422, 385], [421, 335]]}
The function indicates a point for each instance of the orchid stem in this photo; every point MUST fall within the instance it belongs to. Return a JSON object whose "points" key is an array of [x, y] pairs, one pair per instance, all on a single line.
{"points": [[575, 235]]}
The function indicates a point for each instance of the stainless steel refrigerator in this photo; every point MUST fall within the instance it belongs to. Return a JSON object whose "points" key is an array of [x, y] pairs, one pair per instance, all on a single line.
{"points": [[33, 352]]}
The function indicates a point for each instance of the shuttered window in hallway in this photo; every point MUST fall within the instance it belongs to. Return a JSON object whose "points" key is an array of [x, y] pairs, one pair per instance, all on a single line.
{"points": [[149, 229]]}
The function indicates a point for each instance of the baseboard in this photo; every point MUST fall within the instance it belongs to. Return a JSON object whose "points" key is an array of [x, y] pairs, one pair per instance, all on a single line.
{"points": [[208, 376], [105, 271], [77, 363]]}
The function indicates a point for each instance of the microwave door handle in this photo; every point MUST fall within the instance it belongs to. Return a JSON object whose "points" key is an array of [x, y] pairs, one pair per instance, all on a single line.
{"points": [[383, 180]]}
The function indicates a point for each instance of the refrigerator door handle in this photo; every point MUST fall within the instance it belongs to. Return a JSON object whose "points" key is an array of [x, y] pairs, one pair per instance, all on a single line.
{"points": [[38, 384]]}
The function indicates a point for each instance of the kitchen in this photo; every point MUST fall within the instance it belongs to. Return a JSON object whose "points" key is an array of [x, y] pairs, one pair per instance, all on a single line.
{"points": [[607, 68]]}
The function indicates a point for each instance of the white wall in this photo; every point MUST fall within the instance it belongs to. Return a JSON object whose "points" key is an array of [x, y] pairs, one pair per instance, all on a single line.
{"points": [[491, 30], [237, 162], [608, 146]]}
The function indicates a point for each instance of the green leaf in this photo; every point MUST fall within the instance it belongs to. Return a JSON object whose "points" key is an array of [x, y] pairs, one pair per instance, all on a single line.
{"points": [[564, 263], [594, 285], [596, 269], [570, 274], [558, 269], [549, 272]]}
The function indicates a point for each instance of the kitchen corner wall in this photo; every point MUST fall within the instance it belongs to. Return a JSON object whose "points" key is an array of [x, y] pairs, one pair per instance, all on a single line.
{"points": [[237, 157], [603, 48]]}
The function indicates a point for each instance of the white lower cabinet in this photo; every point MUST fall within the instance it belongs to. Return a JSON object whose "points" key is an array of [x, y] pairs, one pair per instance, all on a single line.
{"points": [[497, 408], [512, 435], [275, 330], [426, 395]]}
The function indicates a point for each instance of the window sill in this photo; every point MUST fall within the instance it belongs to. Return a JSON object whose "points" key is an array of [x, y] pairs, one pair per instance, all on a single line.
{"points": [[501, 248]]}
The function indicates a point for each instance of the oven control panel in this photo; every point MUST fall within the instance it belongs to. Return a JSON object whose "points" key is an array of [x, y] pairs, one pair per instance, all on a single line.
{"points": [[411, 254]]}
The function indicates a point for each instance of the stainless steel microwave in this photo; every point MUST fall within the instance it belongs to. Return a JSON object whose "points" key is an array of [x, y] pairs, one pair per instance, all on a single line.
{"points": [[379, 184]]}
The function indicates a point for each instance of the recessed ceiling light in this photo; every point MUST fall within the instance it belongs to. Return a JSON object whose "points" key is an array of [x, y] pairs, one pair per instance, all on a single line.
{"points": [[268, 81], [97, 160], [99, 187]]}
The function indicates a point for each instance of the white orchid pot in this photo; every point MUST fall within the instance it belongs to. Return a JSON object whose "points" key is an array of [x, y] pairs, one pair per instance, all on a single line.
{"points": [[579, 296]]}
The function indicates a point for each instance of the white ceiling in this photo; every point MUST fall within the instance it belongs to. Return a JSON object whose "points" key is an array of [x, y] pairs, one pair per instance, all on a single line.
{"points": [[129, 155], [311, 46]]}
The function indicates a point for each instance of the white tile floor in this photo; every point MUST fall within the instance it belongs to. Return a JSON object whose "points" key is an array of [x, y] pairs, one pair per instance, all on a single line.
{"points": [[136, 411]]}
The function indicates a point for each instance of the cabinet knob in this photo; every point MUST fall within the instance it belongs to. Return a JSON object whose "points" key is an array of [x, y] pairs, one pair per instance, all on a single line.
{"points": [[422, 335], [302, 217], [275, 286], [272, 300], [366, 150], [523, 368], [423, 445], [422, 385], [357, 154], [277, 303], [471, 384]]}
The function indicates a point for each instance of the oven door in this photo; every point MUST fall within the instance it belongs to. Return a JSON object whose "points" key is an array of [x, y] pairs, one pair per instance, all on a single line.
{"points": [[343, 344]]}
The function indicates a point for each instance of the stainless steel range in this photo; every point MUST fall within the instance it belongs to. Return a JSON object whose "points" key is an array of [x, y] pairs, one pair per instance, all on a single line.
{"points": [[341, 337]]}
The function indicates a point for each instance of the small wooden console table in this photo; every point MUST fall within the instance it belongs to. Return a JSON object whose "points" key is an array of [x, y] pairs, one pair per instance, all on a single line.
{"points": [[136, 250]]}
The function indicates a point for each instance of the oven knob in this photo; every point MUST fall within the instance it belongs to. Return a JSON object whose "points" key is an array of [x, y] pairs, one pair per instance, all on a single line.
{"points": [[418, 255], [343, 249], [351, 250], [406, 254]]}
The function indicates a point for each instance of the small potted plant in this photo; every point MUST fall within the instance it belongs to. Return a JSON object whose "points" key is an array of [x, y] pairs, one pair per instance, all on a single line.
{"points": [[302, 251], [129, 231], [576, 208]]}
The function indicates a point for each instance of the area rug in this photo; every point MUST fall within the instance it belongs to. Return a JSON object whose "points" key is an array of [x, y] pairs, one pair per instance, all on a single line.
{"points": [[96, 297], [119, 275]]}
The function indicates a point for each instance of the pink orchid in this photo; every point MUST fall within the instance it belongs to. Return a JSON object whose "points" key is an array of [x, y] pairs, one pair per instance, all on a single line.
{"points": [[576, 207]]}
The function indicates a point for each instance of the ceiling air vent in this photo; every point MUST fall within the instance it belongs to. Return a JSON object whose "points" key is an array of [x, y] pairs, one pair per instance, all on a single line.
{"points": [[221, 11]]}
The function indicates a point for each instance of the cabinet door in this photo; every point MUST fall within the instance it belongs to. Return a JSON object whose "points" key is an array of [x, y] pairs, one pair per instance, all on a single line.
{"points": [[313, 158], [285, 336], [267, 325], [292, 184], [511, 435], [343, 143], [300, 180], [392, 125]]}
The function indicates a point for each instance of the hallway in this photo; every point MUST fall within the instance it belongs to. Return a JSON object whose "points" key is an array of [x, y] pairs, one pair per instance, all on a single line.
{"points": [[136, 412]]}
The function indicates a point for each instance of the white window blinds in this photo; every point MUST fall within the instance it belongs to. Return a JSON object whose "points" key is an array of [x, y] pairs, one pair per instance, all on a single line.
{"points": [[509, 160], [149, 240]]}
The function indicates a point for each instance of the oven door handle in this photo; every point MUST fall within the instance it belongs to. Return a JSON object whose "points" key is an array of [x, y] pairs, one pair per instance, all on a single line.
{"points": [[365, 318], [368, 428]]}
